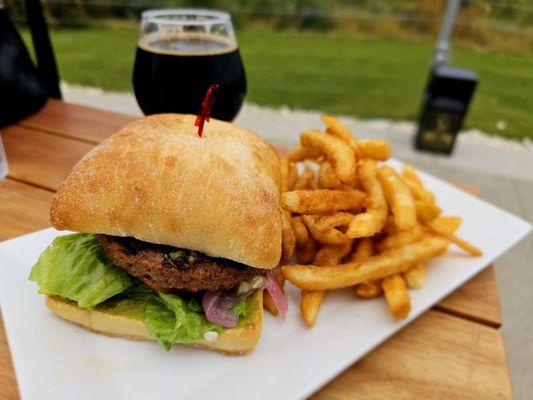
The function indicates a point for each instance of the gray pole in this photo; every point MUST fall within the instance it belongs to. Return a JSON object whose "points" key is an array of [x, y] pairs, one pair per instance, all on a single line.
{"points": [[442, 51]]}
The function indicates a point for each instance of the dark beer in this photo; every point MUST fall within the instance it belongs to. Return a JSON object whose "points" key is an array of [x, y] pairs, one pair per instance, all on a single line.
{"points": [[172, 74]]}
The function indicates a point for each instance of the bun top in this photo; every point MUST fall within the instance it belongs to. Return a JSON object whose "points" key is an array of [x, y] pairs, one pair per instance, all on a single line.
{"points": [[157, 181]]}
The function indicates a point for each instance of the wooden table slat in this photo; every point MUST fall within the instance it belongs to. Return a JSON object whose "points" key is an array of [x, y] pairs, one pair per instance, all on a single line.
{"points": [[39, 158], [477, 300], [16, 199], [438, 356], [75, 121]]}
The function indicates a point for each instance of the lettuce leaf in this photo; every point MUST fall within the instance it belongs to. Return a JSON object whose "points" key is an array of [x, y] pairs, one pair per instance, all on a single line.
{"points": [[194, 304], [171, 319], [74, 267], [241, 308]]}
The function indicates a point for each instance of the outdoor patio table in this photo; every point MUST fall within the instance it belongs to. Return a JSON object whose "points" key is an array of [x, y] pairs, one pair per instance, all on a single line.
{"points": [[455, 350]]}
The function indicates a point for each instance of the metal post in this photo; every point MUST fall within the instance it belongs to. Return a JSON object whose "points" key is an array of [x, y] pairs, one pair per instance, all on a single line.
{"points": [[442, 51]]}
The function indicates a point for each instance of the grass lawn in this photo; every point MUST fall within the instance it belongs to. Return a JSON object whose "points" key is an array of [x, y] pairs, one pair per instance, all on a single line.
{"points": [[363, 77]]}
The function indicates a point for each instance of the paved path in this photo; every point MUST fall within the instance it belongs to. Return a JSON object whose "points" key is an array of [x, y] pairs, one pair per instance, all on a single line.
{"points": [[503, 171]]}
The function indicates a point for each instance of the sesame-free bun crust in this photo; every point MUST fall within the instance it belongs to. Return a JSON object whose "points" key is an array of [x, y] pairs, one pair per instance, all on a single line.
{"points": [[157, 181], [235, 341]]}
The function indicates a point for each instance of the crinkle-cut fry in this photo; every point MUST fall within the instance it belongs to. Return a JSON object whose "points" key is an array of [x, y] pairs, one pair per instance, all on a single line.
{"points": [[415, 184], [322, 201], [426, 211], [368, 290], [340, 218], [375, 149], [306, 180], [415, 278], [324, 236], [372, 220], [293, 176], [419, 192], [445, 225], [332, 254], [347, 187], [288, 241], [363, 250], [400, 239], [268, 302], [307, 253], [338, 153], [284, 168], [289, 175], [399, 199], [466, 246], [409, 172], [302, 153], [398, 298], [461, 243], [310, 303], [390, 262], [300, 231], [390, 227], [327, 179], [278, 276], [336, 128]]}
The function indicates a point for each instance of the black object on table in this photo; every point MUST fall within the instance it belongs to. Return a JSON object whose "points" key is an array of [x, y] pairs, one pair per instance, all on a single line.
{"points": [[24, 87], [444, 107], [43, 48]]}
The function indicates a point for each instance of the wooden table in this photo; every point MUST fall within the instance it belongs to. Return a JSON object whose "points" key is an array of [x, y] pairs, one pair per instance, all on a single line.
{"points": [[455, 350]]}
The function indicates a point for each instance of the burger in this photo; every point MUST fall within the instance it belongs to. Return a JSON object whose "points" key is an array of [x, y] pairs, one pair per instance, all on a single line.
{"points": [[176, 236]]}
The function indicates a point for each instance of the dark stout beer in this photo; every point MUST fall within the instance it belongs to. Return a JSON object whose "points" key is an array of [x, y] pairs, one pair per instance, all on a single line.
{"points": [[172, 74]]}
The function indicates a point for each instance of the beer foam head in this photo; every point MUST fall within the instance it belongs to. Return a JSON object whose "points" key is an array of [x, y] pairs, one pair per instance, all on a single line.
{"points": [[187, 32], [187, 43]]}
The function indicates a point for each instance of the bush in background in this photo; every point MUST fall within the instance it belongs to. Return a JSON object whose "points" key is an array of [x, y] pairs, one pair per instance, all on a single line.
{"points": [[491, 24]]}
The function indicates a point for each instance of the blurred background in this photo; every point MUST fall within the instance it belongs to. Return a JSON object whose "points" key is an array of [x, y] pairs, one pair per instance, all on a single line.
{"points": [[364, 58]]}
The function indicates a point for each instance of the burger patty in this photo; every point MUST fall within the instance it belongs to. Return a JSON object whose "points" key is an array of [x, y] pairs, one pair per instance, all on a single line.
{"points": [[168, 269]]}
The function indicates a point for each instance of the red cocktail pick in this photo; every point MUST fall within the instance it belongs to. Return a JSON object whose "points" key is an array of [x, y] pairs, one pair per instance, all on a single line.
{"points": [[205, 109]]}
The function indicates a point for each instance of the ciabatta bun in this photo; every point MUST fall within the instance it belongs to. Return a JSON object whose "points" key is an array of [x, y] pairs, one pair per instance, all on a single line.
{"points": [[236, 341], [157, 181]]}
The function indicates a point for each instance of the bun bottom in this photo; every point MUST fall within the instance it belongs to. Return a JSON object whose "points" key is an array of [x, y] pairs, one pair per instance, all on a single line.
{"points": [[236, 341]]}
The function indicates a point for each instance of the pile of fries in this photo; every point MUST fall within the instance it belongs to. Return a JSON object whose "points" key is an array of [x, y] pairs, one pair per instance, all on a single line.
{"points": [[357, 223]]}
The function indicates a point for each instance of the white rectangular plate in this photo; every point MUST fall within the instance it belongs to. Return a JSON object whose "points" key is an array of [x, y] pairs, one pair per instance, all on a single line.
{"points": [[56, 360]]}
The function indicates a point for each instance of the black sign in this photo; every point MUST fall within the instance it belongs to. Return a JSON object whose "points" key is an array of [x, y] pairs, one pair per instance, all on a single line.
{"points": [[444, 107]]}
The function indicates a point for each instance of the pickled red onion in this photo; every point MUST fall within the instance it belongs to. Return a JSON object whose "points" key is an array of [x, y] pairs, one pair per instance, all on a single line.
{"points": [[229, 299], [215, 313], [277, 295]]}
